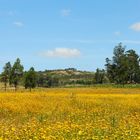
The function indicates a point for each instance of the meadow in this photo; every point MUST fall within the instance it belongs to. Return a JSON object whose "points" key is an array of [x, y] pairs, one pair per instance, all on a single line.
{"points": [[70, 114]]}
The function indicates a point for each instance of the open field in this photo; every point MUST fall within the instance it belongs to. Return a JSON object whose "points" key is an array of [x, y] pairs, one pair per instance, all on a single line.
{"points": [[72, 113]]}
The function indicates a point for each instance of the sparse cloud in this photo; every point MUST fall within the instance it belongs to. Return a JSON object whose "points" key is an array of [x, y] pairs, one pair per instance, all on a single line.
{"points": [[7, 13], [61, 52], [11, 13], [18, 24], [117, 33], [136, 27], [88, 41], [65, 12], [137, 42]]}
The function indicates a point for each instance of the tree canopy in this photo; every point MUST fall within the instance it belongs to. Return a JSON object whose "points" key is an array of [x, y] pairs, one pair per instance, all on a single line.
{"points": [[30, 79], [124, 66], [16, 73]]}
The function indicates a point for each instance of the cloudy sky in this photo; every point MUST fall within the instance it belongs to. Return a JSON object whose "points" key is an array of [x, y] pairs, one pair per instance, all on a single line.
{"points": [[53, 34]]}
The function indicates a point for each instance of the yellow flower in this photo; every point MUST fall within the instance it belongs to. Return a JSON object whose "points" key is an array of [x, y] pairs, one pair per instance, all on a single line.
{"points": [[80, 132], [13, 129]]}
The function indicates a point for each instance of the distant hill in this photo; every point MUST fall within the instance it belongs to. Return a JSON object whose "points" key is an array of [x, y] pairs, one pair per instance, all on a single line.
{"points": [[66, 77]]}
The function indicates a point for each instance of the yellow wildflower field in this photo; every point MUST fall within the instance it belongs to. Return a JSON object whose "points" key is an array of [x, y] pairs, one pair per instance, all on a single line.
{"points": [[70, 114]]}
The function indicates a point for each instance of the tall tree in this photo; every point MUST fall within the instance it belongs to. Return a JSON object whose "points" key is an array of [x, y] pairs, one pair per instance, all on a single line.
{"points": [[124, 66], [30, 79], [16, 73], [116, 68], [5, 76], [133, 66], [110, 67]]}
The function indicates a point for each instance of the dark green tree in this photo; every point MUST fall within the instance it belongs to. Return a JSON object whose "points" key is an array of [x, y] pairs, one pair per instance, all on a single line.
{"points": [[133, 69], [99, 76], [30, 79], [52, 81], [117, 67], [124, 66], [5, 76], [16, 73], [110, 68]]}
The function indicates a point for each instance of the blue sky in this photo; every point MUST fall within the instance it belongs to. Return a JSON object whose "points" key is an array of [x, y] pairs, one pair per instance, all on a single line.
{"points": [[53, 34]]}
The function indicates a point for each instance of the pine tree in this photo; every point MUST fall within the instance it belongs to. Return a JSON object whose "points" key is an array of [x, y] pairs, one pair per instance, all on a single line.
{"points": [[5, 76], [16, 73], [30, 79]]}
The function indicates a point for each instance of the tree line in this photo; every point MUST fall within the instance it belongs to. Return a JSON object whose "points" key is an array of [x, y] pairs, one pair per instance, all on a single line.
{"points": [[14, 75], [123, 68]]}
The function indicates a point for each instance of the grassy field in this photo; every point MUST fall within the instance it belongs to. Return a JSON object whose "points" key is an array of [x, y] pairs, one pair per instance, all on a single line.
{"points": [[71, 114]]}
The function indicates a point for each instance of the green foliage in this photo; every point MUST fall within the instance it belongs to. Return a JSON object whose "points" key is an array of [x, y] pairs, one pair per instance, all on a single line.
{"points": [[16, 73], [64, 78], [5, 76], [133, 69], [41, 80], [30, 79], [99, 76], [124, 66]]}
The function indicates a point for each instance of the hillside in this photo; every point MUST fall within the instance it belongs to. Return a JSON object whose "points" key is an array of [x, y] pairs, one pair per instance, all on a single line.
{"points": [[65, 77]]}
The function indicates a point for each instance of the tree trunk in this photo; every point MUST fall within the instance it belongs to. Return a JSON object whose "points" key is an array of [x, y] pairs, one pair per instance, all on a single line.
{"points": [[5, 86], [15, 87]]}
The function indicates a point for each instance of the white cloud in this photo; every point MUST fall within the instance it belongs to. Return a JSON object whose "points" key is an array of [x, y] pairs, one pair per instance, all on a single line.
{"points": [[136, 27], [61, 52], [65, 12], [18, 24]]}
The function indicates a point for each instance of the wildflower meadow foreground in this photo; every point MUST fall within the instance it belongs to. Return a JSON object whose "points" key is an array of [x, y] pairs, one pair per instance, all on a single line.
{"points": [[70, 114]]}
